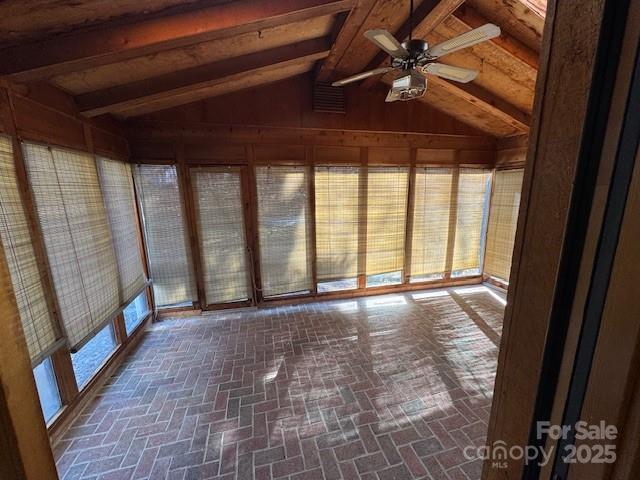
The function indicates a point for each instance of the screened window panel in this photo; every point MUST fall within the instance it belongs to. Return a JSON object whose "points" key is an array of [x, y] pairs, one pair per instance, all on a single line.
{"points": [[431, 218], [218, 202], [387, 189], [283, 226], [471, 219], [503, 220], [117, 189], [74, 225], [39, 326], [337, 204], [170, 265]]}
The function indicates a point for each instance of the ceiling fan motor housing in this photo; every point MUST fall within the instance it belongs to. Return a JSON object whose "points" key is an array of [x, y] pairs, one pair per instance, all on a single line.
{"points": [[417, 55]]}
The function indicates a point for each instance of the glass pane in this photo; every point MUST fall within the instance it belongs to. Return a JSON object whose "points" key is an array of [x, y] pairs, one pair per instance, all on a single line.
{"points": [[47, 389], [426, 278], [336, 285], [381, 279], [93, 354], [467, 272], [135, 312]]}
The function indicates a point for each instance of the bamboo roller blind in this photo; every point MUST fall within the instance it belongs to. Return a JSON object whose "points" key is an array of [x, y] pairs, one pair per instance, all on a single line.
{"points": [[503, 220], [170, 263], [117, 189], [218, 203], [387, 189], [283, 226], [337, 196], [40, 329], [74, 225], [471, 207], [431, 220]]}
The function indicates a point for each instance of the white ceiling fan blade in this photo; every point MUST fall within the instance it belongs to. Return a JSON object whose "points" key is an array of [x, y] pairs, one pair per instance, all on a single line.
{"points": [[458, 74], [387, 42], [475, 36], [360, 76]]}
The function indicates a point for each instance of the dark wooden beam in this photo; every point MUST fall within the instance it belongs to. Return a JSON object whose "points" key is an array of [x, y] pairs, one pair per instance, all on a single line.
{"points": [[349, 29], [158, 132], [511, 45], [194, 83], [115, 43], [485, 100], [429, 15]]}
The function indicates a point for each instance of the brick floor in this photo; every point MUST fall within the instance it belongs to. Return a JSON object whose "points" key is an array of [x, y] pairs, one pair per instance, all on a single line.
{"points": [[385, 387]]}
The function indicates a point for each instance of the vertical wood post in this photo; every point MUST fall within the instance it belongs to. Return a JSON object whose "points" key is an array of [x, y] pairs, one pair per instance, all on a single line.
{"points": [[250, 201], [362, 217], [311, 228], [453, 219], [25, 452], [408, 233], [188, 200]]}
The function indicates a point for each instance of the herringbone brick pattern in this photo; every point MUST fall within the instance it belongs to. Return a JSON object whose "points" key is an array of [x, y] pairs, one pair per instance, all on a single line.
{"points": [[379, 388]]}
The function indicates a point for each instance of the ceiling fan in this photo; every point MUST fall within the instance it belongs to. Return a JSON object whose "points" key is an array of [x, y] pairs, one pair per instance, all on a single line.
{"points": [[416, 59]]}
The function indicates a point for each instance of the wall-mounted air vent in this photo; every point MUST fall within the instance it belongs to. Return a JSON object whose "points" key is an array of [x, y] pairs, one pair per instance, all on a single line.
{"points": [[328, 99]]}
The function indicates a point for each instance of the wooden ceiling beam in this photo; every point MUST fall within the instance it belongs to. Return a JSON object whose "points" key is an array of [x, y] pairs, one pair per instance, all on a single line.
{"points": [[184, 86], [429, 15], [352, 24], [511, 45], [114, 43], [486, 101]]}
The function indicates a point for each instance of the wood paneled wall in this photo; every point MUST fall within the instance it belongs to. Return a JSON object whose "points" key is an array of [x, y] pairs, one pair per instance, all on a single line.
{"points": [[44, 114], [289, 103], [511, 152]]}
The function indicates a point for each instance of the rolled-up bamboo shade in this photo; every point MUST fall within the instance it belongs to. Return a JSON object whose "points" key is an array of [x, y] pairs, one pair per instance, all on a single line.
{"points": [[283, 227], [74, 225], [387, 189], [218, 203], [470, 219], [40, 329], [431, 220], [503, 220], [117, 189], [169, 255], [337, 198]]}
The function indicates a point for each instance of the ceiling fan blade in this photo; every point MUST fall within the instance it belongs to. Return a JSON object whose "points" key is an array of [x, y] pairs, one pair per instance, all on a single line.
{"points": [[387, 42], [458, 74], [473, 37], [360, 76]]}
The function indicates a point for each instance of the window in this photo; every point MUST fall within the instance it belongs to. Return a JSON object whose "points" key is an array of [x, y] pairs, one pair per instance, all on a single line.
{"points": [[283, 227], [337, 198], [337, 285], [220, 219], [116, 182], [471, 221], [503, 220], [135, 312], [92, 355], [170, 265], [47, 389], [40, 329], [431, 223], [75, 229], [386, 220]]}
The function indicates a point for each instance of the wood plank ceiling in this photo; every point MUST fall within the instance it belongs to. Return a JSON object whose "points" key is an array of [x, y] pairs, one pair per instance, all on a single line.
{"points": [[130, 58]]}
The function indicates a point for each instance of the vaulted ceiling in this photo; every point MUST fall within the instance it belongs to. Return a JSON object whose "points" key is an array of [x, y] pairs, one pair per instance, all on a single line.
{"points": [[129, 58]]}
